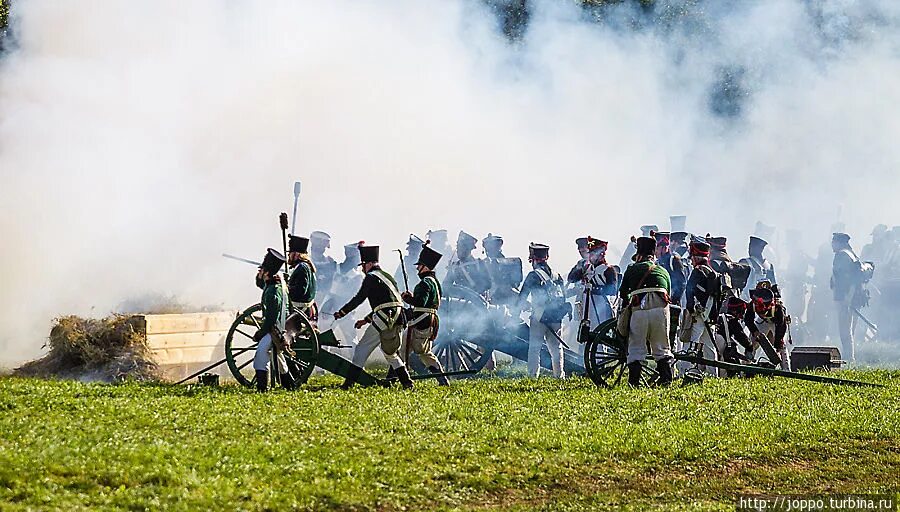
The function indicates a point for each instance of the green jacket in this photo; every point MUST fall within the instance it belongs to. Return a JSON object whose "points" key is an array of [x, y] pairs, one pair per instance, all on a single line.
{"points": [[272, 302], [657, 278], [426, 294], [302, 284]]}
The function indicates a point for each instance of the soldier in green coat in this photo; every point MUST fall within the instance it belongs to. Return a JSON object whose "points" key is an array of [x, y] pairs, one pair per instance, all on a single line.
{"points": [[423, 317], [645, 292], [302, 283], [275, 312]]}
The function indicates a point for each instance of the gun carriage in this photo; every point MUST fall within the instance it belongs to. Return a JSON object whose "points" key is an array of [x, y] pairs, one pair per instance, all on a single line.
{"points": [[472, 330], [605, 358]]}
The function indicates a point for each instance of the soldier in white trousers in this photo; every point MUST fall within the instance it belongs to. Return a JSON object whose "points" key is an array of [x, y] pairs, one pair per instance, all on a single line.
{"points": [[548, 307], [383, 324]]}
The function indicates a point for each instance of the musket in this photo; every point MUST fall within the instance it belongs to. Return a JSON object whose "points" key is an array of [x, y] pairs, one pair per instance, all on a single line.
{"points": [[243, 260], [865, 320], [282, 219], [403, 268]]}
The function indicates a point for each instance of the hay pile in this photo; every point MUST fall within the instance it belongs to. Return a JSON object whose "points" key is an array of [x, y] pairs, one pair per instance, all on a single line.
{"points": [[108, 349]]}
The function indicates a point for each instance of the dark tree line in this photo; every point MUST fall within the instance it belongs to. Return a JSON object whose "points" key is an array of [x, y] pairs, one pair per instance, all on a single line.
{"points": [[4, 13]]}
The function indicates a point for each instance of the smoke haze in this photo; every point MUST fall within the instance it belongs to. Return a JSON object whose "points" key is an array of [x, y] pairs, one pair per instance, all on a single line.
{"points": [[139, 140]]}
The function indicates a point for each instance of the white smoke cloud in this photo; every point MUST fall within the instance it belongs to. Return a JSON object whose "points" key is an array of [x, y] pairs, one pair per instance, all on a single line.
{"points": [[139, 140]]}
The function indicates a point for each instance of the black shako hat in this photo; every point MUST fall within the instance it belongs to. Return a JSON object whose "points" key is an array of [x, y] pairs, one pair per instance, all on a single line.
{"points": [[538, 251], [429, 257], [298, 244], [582, 242], [645, 245], [272, 261], [368, 254]]}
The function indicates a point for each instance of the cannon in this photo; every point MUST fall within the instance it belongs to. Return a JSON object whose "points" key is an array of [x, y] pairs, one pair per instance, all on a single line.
{"points": [[472, 330], [307, 344], [605, 357]]}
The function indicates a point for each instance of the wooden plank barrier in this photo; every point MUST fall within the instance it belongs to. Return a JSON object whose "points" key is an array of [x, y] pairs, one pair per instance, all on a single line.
{"points": [[184, 343]]}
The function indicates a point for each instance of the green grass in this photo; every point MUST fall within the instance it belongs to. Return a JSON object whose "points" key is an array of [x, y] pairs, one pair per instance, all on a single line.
{"points": [[492, 443]]}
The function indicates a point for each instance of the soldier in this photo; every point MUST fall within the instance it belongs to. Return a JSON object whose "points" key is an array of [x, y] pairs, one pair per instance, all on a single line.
{"points": [[505, 273], [467, 271], [413, 249], [847, 280], [384, 322], [767, 321], [645, 293], [673, 264], [600, 282], [702, 292], [425, 301], [302, 283], [732, 327], [275, 312], [326, 267], [761, 269], [547, 311]]}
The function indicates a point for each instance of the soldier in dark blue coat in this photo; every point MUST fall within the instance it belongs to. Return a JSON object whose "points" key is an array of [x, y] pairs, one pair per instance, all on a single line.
{"points": [[547, 300]]}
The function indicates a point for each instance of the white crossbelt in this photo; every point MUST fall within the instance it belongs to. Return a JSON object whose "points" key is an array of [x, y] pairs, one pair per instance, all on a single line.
{"points": [[381, 317]]}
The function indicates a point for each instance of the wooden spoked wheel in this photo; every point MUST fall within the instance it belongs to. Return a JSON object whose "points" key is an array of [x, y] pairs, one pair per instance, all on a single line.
{"points": [[240, 347], [464, 321], [605, 355]]}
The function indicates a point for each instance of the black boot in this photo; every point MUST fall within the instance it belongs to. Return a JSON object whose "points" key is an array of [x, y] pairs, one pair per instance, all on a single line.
{"points": [[391, 374], [288, 382], [664, 368], [634, 374], [352, 374], [403, 376], [262, 381], [442, 380]]}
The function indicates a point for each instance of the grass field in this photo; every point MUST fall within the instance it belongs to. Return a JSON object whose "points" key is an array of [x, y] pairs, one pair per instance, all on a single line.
{"points": [[483, 444]]}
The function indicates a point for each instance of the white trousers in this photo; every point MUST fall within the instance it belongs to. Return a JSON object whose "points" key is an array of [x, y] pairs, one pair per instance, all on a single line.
{"points": [[767, 328], [371, 339], [600, 310], [538, 334], [712, 349], [648, 327], [264, 354]]}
